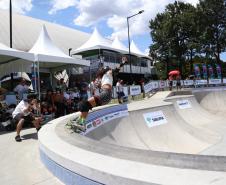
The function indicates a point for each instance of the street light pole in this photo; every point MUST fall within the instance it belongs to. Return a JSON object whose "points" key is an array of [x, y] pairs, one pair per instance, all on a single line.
{"points": [[130, 60], [10, 24], [10, 37]]}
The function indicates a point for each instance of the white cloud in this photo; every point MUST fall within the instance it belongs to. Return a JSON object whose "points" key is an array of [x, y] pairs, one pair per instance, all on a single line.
{"points": [[60, 5], [91, 12], [18, 6]]}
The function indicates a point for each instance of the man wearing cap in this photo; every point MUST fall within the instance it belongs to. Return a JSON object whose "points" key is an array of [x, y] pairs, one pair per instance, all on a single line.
{"points": [[23, 115]]}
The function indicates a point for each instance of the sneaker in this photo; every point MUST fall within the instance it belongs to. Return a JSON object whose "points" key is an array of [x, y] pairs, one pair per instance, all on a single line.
{"points": [[18, 138]]}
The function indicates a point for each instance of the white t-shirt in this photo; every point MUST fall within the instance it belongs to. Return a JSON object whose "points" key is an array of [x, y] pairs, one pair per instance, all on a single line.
{"points": [[107, 79], [20, 108], [119, 87]]}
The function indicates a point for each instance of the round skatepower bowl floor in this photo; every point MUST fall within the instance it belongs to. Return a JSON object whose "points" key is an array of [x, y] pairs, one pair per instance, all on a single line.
{"points": [[178, 127]]}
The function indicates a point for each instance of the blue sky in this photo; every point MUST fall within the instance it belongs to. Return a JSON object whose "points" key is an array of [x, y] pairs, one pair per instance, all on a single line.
{"points": [[108, 16]]}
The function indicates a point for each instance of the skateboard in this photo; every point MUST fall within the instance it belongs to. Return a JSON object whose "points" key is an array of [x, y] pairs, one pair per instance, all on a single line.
{"points": [[78, 128]]}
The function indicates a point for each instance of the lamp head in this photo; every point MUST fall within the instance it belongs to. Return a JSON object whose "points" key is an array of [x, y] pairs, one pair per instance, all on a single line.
{"points": [[141, 11]]}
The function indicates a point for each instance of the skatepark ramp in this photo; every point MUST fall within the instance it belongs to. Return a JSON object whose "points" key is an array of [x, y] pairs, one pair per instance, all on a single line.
{"points": [[168, 139]]}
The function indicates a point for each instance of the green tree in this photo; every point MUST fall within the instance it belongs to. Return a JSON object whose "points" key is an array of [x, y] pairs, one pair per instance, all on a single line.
{"points": [[173, 33], [212, 16]]}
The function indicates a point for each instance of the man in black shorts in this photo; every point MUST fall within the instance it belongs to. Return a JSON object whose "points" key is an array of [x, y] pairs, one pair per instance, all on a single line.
{"points": [[23, 115]]}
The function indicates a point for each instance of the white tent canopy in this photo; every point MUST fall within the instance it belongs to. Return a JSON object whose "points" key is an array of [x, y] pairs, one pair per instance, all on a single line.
{"points": [[118, 45], [96, 41], [136, 50], [12, 60], [50, 56]]}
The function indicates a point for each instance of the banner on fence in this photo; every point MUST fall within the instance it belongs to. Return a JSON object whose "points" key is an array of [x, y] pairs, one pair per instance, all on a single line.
{"points": [[155, 84], [214, 81], [148, 87], [135, 90], [188, 82], [201, 82], [162, 84]]}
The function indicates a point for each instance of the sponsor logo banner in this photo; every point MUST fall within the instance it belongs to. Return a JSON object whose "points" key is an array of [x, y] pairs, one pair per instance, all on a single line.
{"points": [[201, 82], [153, 119], [162, 84], [214, 81], [224, 80], [183, 104], [188, 82], [155, 85], [135, 90], [148, 87], [104, 119]]}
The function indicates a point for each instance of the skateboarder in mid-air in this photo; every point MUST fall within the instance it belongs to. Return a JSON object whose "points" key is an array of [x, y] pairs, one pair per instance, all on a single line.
{"points": [[106, 75]]}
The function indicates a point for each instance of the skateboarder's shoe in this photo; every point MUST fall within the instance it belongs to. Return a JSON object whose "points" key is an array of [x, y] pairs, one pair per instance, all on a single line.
{"points": [[79, 123]]}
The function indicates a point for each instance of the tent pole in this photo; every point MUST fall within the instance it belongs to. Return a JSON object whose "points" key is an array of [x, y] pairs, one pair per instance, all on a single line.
{"points": [[35, 76], [39, 90]]}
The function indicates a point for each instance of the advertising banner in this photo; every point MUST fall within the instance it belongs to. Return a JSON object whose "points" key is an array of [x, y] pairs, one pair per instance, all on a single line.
{"points": [[148, 87], [162, 84], [197, 71], [125, 90], [135, 90], [104, 119], [183, 104], [153, 119], [224, 81], [214, 81], [201, 82], [211, 73], [188, 82], [155, 85], [204, 71], [218, 69]]}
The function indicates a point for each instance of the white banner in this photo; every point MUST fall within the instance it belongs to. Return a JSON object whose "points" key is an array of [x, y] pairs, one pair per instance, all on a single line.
{"points": [[162, 84], [153, 119], [174, 83], [148, 87], [104, 119], [201, 82], [188, 82], [224, 80], [135, 90], [125, 90], [155, 84], [214, 81], [183, 104]]}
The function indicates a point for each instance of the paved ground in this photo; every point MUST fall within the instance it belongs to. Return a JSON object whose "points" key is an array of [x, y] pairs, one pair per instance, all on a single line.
{"points": [[20, 162]]}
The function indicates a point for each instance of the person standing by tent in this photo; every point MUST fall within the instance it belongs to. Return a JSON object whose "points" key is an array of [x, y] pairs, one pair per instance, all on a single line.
{"points": [[106, 74], [178, 78]]}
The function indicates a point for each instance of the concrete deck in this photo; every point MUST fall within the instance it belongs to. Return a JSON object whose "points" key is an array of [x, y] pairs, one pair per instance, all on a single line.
{"points": [[20, 162]]}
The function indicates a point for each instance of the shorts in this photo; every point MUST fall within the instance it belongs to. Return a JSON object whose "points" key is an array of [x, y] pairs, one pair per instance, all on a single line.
{"points": [[121, 94], [105, 96], [27, 119]]}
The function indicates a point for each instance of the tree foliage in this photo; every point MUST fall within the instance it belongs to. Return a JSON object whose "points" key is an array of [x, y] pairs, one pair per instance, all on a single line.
{"points": [[183, 31]]}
